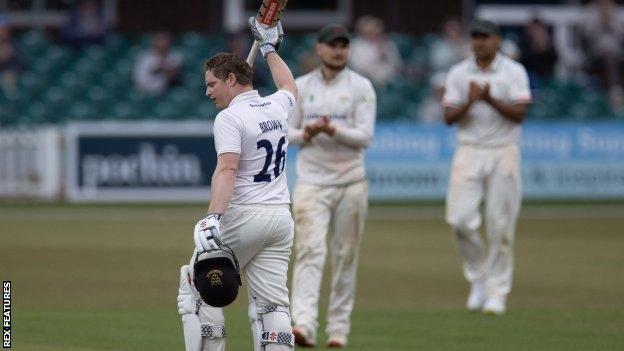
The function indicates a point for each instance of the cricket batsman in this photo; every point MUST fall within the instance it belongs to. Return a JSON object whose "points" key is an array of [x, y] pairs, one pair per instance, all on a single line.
{"points": [[486, 96], [333, 124], [249, 227]]}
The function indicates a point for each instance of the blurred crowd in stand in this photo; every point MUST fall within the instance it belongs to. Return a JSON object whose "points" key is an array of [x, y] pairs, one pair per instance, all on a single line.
{"points": [[86, 25], [408, 71], [157, 69], [373, 54], [604, 35], [10, 61]]}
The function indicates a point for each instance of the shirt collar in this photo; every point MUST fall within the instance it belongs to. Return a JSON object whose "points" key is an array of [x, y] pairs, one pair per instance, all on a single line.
{"points": [[244, 96], [493, 67]]}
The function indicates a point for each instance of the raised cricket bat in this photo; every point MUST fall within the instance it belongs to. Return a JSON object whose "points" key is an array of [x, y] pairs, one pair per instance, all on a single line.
{"points": [[270, 11]]}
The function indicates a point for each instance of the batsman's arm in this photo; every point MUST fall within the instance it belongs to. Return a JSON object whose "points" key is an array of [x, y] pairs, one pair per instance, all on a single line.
{"points": [[228, 136], [222, 185], [282, 76]]}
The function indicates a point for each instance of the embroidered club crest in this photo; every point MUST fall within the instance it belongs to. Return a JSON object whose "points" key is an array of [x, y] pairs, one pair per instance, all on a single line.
{"points": [[214, 276]]}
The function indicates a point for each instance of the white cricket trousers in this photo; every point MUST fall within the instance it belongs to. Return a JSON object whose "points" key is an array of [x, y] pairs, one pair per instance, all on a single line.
{"points": [[493, 175], [261, 237], [315, 207]]}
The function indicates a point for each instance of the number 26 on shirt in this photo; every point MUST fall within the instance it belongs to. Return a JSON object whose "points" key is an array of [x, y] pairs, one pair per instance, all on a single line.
{"points": [[280, 157]]}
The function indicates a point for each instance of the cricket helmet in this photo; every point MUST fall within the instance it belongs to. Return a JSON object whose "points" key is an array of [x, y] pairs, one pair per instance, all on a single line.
{"points": [[217, 276]]}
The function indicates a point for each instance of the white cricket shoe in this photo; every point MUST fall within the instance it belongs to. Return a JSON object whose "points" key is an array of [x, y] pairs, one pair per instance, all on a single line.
{"points": [[495, 306], [477, 296]]}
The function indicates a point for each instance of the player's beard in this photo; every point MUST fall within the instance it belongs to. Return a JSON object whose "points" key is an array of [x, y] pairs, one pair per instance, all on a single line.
{"points": [[485, 55], [335, 67]]}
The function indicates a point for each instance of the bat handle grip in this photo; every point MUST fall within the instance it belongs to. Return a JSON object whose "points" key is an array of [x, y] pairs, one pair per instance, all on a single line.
{"points": [[253, 53]]}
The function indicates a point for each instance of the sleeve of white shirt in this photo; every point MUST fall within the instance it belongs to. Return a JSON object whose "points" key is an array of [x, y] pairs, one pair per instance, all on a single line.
{"points": [[285, 99], [453, 96], [360, 135], [295, 123], [520, 89], [228, 134]]}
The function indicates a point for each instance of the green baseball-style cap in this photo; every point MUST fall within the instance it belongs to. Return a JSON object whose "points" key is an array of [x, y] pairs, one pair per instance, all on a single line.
{"points": [[332, 32], [484, 27]]}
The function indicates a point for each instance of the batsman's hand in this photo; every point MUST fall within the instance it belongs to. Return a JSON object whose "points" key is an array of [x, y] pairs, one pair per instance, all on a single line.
{"points": [[207, 234], [270, 38]]}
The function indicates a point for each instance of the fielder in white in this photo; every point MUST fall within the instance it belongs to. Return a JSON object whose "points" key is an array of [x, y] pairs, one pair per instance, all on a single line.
{"points": [[486, 96], [249, 207], [333, 124]]}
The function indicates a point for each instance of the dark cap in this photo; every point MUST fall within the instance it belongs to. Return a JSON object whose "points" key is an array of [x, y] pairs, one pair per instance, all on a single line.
{"points": [[484, 27], [332, 32]]}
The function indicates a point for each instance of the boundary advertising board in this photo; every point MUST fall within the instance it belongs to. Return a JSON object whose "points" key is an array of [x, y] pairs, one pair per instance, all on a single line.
{"points": [[174, 161], [139, 161], [560, 160]]}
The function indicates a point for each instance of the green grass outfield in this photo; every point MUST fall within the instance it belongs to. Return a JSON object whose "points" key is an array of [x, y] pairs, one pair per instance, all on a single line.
{"points": [[106, 277]]}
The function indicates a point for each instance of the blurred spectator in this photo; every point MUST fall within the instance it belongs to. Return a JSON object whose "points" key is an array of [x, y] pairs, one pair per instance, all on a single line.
{"points": [[431, 110], [158, 68], [604, 34], [239, 43], [373, 54], [538, 55], [509, 47], [10, 64], [86, 25], [451, 48], [307, 62]]}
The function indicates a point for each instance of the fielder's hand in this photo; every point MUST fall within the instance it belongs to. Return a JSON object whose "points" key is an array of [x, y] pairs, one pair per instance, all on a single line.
{"points": [[310, 131], [475, 92], [327, 127], [485, 93], [269, 38], [207, 235]]}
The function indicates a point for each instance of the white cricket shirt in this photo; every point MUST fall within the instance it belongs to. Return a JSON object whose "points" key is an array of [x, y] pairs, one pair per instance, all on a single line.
{"points": [[483, 125], [349, 101], [256, 128]]}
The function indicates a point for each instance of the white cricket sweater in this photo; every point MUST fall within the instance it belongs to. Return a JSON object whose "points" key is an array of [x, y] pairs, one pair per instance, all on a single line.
{"points": [[349, 101]]}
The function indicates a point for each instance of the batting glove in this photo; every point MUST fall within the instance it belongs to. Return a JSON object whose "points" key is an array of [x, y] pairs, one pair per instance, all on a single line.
{"points": [[207, 235], [270, 38]]}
